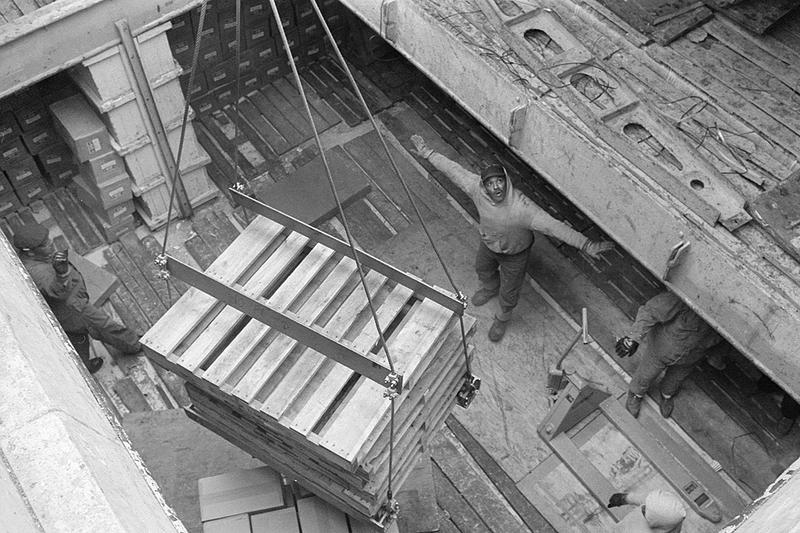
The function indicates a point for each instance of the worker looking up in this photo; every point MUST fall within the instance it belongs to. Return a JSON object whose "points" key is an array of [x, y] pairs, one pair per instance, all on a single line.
{"points": [[508, 219], [659, 510], [65, 292], [677, 340]]}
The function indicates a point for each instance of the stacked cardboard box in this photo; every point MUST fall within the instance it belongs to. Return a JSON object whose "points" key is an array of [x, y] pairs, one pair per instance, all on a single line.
{"points": [[262, 55], [106, 81], [103, 185]]}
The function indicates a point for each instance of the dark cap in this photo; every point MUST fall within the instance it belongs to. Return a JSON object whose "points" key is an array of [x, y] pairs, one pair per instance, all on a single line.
{"points": [[30, 236], [492, 171]]}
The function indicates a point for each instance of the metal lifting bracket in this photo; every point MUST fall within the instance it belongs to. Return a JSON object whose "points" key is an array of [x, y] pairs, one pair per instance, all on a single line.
{"points": [[469, 389], [387, 513], [160, 261], [394, 385]]}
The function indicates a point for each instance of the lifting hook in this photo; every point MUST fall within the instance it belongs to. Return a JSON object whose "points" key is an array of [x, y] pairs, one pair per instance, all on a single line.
{"points": [[675, 255]]}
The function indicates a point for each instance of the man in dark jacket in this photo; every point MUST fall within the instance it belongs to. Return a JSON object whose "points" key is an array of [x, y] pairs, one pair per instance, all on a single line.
{"points": [[65, 291], [508, 219], [677, 340]]}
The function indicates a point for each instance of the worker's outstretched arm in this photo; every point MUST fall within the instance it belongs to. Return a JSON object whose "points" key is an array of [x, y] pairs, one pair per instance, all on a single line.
{"points": [[660, 308], [537, 219], [463, 178]]}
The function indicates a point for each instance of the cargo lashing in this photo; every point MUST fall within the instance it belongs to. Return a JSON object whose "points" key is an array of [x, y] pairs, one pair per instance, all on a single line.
{"points": [[468, 390]]}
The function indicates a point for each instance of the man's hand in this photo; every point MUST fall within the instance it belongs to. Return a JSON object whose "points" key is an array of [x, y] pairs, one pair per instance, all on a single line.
{"points": [[60, 262], [421, 148], [617, 499], [626, 347], [595, 248]]}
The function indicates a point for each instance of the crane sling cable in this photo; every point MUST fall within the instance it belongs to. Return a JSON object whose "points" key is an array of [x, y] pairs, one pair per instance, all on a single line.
{"points": [[472, 383], [161, 259], [391, 507]]}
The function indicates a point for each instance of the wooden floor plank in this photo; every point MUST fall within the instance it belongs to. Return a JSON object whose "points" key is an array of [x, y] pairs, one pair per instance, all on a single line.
{"points": [[131, 396], [145, 293], [144, 263], [211, 235], [153, 248], [128, 311], [271, 114], [226, 145], [218, 157], [288, 91], [252, 135], [77, 213], [201, 252], [274, 139], [77, 242], [316, 101], [367, 229], [331, 97], [296, 116], [462, 515], [343, 92]]}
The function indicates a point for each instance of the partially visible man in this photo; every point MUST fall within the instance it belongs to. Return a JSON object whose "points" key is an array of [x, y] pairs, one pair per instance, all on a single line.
{"points": [[508, 219], [677, 340], [660, 511], [64, 290]]}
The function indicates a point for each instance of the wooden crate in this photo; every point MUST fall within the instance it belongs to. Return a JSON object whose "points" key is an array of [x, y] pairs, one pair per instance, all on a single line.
{"points": [[295, 409], [152, 202]]}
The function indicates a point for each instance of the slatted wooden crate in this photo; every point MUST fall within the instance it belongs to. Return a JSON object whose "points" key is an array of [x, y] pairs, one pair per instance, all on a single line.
{"points": [[152, 200], [299, 411]]}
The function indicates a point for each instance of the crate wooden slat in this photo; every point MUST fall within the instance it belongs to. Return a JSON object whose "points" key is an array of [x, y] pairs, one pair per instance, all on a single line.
{"points": [[289, 405]]}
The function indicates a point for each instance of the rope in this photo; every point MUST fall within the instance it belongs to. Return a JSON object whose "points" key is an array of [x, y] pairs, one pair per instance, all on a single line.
{"points": [[396, 169], [335, 193], [175, 177]]}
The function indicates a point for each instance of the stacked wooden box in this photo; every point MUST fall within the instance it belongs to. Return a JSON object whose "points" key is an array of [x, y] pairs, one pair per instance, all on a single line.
{"points": [[298, 411], [262, 56], [103, 185], [108, 83], [30, 151], [260, 501]]}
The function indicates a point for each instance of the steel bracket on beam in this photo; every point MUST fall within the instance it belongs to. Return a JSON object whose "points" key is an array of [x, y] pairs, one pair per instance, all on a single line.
{"points": [[423, 289], [286, 322]]}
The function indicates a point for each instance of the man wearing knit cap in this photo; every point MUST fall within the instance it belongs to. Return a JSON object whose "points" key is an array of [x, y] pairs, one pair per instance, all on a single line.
{"points": [[65, 291], [660, 511], [508, 219]]}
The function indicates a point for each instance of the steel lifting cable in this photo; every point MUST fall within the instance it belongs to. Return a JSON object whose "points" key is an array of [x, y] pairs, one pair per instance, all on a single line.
{"points": [[372, 120], [161, 259], [392, 505], [238, 94], [335, 193]]}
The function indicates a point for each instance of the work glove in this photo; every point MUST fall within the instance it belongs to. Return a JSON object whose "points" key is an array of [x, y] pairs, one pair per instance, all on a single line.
{"points": [[617, 499], [421, 148], [60, 262], [626, 347], [595, 248]]}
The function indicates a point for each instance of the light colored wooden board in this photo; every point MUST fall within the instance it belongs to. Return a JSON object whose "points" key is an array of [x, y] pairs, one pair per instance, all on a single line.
{"points": [[239, 492], [210, 337], [283, 520], [270, 359], [317, 516], [308, 362], [193, 305], [224, 371], [407, 347], [231, 524]]}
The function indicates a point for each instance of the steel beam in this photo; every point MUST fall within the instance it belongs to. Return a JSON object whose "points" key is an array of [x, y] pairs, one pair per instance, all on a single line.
{"points": [[726, 282], [283, 321], [64, 33], [417, 285]]}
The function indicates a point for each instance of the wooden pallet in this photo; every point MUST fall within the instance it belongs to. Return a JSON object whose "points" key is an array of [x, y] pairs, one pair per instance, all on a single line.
{"points": [[286, 403]]}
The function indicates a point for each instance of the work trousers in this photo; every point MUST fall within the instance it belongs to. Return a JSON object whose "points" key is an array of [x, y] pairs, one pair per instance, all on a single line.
{"points": [[504, 273], [678, 367], [94, 322]]}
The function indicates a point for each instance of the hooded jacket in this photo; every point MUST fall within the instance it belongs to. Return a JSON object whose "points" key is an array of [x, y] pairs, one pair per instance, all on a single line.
{"points": [[506, 227], [66, 295], [663, 513]]}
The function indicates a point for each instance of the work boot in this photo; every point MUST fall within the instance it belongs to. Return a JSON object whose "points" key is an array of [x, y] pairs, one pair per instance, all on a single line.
{"points": [[784, 426], [497, 330], [94, 364], [666, 405], [633, 404], [482, 296]]}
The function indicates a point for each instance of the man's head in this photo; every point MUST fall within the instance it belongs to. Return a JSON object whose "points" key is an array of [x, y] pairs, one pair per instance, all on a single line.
{"points": [[34, 238], [663, 510], [495, 180]]}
